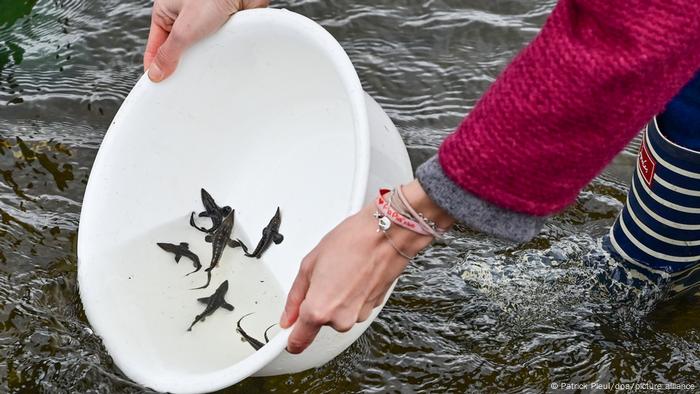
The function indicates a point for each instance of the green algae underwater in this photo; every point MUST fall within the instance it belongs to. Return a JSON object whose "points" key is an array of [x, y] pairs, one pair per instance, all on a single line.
{"points": [[474, 315]]}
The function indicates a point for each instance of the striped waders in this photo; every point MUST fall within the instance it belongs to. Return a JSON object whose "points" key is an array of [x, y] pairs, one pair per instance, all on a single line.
{"points": [[658, 230]]}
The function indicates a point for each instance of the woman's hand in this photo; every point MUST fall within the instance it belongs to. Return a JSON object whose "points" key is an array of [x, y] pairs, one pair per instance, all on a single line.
{"points": [[349, 272], [177, 24]]}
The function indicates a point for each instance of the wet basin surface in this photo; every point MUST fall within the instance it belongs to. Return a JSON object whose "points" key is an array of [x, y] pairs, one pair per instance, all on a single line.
{"points": [[476, 314]]}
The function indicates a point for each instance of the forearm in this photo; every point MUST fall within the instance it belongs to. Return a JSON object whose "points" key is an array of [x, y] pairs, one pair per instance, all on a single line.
{"points": [[562, 110]]}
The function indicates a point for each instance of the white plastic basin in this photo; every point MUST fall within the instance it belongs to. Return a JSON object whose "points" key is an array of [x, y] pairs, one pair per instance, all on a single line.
{"points": [[267, 112]]}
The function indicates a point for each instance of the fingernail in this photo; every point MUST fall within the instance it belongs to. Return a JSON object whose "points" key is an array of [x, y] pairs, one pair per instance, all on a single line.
{"points": [[283, 319], [155, 73]]}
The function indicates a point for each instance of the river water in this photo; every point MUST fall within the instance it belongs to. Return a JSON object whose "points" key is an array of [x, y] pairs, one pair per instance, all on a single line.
{"points": [[476, 315]]}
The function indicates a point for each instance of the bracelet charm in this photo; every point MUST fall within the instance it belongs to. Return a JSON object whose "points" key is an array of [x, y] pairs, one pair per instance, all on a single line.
{"points": [[383, 222]]}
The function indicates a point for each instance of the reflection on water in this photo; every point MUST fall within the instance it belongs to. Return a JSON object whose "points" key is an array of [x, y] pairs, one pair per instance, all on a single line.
{"points": [[476, 314], [11, 11]]}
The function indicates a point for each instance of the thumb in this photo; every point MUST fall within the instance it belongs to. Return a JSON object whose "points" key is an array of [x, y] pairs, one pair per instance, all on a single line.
{"points": [[168, 56]]}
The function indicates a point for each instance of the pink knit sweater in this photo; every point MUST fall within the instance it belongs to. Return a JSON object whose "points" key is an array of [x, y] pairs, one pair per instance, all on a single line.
{"points": [[569, 102]]}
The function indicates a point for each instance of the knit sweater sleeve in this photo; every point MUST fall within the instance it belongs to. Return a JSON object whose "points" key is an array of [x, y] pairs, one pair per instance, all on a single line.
{"points": [[564, 107]]}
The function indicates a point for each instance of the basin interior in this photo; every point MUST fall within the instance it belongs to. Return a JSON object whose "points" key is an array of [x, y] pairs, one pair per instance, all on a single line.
{"points": [[266, 113]]}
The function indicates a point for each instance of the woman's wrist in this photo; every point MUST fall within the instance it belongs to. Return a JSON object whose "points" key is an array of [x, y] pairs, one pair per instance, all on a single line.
{"points": [[421, 202], [407, 242]]}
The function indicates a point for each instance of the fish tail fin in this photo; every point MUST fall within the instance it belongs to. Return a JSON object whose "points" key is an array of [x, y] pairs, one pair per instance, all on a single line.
{"points": [[207, 284], [241, 319], [255, 252], [193, 224], [196, 269], [237, 243], [267, 340]]}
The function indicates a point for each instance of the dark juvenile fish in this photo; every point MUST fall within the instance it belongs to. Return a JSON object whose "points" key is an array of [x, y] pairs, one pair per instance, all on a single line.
{"points": [[265, 334], [251, 341], [270, 234], [211, 211], [214, 302], [182, 250], [219, 239]]}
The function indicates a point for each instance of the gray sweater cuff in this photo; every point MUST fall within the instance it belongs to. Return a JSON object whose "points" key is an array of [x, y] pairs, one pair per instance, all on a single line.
{"points": [[472, 211]]}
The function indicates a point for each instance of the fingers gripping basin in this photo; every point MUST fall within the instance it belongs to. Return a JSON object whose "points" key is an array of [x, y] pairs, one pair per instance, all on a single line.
{"points": [[267, 112]]}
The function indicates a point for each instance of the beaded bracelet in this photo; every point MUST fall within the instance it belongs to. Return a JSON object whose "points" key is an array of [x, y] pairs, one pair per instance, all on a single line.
{"points": [[426, 224], [391, 215], [388, 213], [385, 216]]}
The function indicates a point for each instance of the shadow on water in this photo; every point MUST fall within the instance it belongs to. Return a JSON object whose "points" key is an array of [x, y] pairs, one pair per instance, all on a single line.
{"points": [[13, 10], [47, 345], [10, 12]]}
